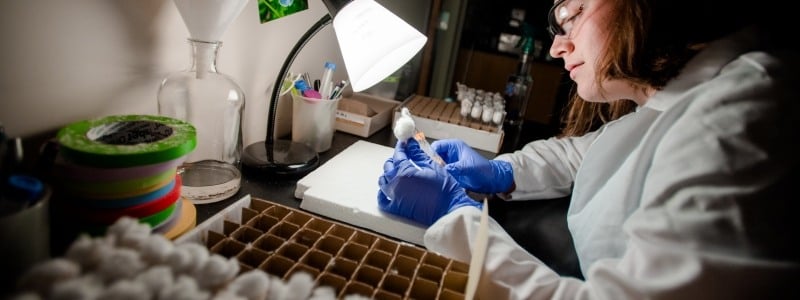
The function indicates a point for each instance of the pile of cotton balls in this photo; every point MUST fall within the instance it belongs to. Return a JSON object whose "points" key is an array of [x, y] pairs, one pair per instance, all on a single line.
{"points": [[130, 263]]}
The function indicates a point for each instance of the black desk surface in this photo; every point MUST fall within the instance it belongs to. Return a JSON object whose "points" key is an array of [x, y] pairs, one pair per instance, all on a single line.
{"points": [[282, 190]]}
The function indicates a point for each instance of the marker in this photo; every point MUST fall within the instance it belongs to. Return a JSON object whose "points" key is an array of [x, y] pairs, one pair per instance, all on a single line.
{"points": [[306, 91]]}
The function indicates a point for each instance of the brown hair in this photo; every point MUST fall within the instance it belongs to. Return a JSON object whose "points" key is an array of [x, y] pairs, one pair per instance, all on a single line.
{"points": [[649, 44]]}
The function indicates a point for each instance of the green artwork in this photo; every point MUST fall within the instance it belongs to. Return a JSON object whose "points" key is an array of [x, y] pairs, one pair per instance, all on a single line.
{"points": [[270, 10]]}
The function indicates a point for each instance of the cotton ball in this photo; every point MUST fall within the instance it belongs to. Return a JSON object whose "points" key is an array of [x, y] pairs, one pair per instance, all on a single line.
{"points": [[88, 252], [323, 293], [129, 232], [300, 286], [216, 271], [277, 289], [125, 290], [404, 128], [84, 287], [498, 116], [356, 297], [228, 295], [187, 258], [119, 264], [185, 288], [466, 108], [179, 260], [476, 112], [488, 112], [41, 277], [156, 248], [156, 278], [253, 285]]}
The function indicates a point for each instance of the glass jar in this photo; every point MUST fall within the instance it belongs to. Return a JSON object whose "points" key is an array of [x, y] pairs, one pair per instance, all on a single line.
{"points": [[213, 102]]}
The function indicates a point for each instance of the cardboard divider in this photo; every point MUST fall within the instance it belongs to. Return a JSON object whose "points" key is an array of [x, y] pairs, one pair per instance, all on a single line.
{"points": [[269, 243], [363, 114], [282, 241]]}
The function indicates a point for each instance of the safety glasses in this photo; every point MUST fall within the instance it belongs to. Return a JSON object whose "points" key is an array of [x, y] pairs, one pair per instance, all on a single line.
{"points": [[562, 17]]}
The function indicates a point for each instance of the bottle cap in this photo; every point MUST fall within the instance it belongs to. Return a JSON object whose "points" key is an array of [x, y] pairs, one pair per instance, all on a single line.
{"points": [[330, 65], [301, 85], [25, 188]]}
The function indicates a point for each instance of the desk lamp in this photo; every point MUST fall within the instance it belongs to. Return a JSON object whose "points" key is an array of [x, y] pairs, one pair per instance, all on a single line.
{"points": [[374, 43]]}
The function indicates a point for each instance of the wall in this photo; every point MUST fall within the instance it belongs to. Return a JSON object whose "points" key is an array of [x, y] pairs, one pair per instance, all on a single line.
{"points": [[65, 61]]}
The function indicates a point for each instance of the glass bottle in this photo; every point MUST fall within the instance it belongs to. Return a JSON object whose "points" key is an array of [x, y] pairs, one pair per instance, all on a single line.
{"points": [[519, 84], [213, 103]]}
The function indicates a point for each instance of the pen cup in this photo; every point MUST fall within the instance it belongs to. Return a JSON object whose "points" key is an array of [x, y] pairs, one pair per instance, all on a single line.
{"points": [[313, 121]]}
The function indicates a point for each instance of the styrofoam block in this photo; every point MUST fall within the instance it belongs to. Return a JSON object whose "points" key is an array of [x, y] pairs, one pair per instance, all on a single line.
{"points": [[346, 188]]}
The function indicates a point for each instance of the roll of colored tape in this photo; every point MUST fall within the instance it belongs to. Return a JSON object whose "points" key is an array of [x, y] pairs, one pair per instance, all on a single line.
{"points": [[68, 170], [126, 141], [131, 201], [109, 216], [154, 220], [163, 216], [118, 189], [186, 220]]}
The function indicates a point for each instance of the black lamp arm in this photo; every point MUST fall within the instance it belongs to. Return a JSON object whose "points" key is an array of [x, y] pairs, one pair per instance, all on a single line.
{"points": [[276, 89]]}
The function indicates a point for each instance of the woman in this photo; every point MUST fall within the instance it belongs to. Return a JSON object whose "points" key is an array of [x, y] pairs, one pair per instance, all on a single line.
{"points": [[682, 191]]}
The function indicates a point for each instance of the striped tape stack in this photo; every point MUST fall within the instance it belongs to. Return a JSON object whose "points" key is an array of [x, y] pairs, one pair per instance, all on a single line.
{"points": [[124, 165]]}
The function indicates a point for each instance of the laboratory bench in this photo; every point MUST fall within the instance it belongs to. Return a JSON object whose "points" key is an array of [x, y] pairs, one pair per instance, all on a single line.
{"points": [[539, 226]]}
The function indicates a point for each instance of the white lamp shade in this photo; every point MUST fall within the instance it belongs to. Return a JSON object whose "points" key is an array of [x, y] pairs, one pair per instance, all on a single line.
{"points": [[374, 42]]}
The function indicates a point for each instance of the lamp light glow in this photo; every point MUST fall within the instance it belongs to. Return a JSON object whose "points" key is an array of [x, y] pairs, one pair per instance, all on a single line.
{"points": [[374, 44]]}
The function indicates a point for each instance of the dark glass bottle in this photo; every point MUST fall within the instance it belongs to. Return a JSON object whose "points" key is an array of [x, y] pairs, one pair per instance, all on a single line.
{"points": [[518, 87]]}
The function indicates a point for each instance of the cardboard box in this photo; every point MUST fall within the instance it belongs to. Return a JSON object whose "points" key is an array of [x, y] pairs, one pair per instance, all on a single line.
{"points": [[363, 114], [439, 119]]}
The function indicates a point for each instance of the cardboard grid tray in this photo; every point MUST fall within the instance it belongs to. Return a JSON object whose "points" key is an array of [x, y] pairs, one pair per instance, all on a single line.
{"points": [[449, 112], [281, 240], [440, 119]]}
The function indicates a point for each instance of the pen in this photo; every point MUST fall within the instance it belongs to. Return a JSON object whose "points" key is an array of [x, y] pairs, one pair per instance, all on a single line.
{"points": [[339, 89]]}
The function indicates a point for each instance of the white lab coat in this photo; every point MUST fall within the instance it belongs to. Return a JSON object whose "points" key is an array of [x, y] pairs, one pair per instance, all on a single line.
{"points": [[689, 197]]}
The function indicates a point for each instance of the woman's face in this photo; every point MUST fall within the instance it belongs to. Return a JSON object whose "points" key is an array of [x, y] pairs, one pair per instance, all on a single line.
{"points": [[581, 42]]}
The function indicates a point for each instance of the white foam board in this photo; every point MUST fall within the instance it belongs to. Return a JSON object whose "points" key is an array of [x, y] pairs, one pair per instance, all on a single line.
{"points": [[345, 188]]}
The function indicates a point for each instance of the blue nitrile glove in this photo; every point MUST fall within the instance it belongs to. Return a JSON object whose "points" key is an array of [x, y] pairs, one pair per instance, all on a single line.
{"points": [[472, 170], [413, 151], [419, 190]]}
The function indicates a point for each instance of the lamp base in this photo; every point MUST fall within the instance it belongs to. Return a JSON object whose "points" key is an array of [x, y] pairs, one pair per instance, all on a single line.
{"points": [[281, 159]]}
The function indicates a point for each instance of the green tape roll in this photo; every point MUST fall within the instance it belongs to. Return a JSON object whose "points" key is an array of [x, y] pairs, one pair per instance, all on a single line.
{"points": [[126, 140], [160, 217], [118, 189]]}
